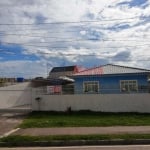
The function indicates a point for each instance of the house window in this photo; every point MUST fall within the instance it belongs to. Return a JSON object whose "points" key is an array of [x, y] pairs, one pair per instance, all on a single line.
{"points": [[91, 87], [128, 86]]}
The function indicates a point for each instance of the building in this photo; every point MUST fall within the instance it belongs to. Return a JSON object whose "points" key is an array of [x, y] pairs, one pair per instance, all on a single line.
{"points": [[58, 81], [112, 79], [60, 72]]}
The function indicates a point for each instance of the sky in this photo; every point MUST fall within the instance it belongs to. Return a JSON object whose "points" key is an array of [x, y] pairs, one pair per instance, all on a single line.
{"points": [[36, 35]]}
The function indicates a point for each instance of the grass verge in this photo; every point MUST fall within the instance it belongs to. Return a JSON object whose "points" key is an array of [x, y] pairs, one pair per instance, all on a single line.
{"points": [[84, 119], [20, 139]]}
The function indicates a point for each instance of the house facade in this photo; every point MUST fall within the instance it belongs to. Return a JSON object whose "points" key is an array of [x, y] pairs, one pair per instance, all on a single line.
{"points": [[109, 79], [59, 78], [58, 81]]}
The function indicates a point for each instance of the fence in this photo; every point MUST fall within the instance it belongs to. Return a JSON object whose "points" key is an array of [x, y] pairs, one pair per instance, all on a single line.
{"points": [[69, 89], [94, 102], [50, 98], [44, 100], [15, 96]]}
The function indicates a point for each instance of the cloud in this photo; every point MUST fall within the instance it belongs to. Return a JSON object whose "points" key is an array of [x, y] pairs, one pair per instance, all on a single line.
{"points": [[122, 56], [135, 3], [27, 69], [57, 32]]}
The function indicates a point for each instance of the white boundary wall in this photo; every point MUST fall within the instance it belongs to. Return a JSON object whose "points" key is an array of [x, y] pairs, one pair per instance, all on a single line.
{"points": [[93, 102], [15, 95]]}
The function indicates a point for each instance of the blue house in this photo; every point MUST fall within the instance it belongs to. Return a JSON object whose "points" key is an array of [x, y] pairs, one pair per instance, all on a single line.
{"points": [[112, 79]]}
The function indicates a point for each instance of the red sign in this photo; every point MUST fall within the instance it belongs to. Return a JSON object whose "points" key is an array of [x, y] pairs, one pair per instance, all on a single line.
{"points": [[57, 89]]}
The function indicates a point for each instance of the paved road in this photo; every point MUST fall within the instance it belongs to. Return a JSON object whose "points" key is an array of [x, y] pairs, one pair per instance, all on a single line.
{"points": [[135, 147]]}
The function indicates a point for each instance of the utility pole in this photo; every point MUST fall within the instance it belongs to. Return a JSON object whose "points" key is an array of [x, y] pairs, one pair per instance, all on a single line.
{"points": [[47, 68]]}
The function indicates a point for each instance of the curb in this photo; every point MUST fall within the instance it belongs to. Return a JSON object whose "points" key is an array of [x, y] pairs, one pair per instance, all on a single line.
{"points": [[75, 143]]}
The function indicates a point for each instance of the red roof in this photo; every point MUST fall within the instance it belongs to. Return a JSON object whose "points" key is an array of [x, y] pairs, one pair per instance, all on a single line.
{"points": [[110, 69], [93, 71], [78, 69]]}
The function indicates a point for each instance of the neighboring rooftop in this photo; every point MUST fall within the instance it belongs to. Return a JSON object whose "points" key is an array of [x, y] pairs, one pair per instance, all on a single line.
{"points": [[62, 69], [67, 68], [110, 69], [57, 72]]}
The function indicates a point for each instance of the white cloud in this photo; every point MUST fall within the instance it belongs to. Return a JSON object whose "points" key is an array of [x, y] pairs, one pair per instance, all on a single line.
{"points": [[39, 39], [28, 69]]}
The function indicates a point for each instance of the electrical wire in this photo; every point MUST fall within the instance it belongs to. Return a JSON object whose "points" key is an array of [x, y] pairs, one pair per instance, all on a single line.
{"points": [[67, 22], [32, 45], [89, 39], [103, 56]]}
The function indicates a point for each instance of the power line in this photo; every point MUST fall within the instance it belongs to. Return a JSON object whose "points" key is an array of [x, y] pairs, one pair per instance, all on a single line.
{"points": [[30, 28], [3, 31], [103, 55], [38, 28], [72, 54], [67, 22], [113, 58], [32, 45], [28, 35], [48, 37], [76, 40], [35, 28]]}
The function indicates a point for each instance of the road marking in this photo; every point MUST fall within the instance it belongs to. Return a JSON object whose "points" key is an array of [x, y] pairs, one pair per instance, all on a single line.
{"points": [[10, 132]]}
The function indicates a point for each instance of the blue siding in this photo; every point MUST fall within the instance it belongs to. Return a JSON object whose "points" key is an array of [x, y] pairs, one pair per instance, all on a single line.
{"points": [[111, 83]]}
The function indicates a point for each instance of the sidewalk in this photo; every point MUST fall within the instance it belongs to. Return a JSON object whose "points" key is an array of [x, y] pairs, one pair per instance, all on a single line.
{"points": [[84, 130]]}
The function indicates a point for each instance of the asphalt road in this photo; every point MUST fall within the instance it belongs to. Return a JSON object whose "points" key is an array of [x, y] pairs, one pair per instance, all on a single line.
{"points": [[131, 147]]}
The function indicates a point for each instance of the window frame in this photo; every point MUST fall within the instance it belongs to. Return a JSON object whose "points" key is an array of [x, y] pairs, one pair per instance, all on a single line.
{"points": [[128, 85], [90, 82]]}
